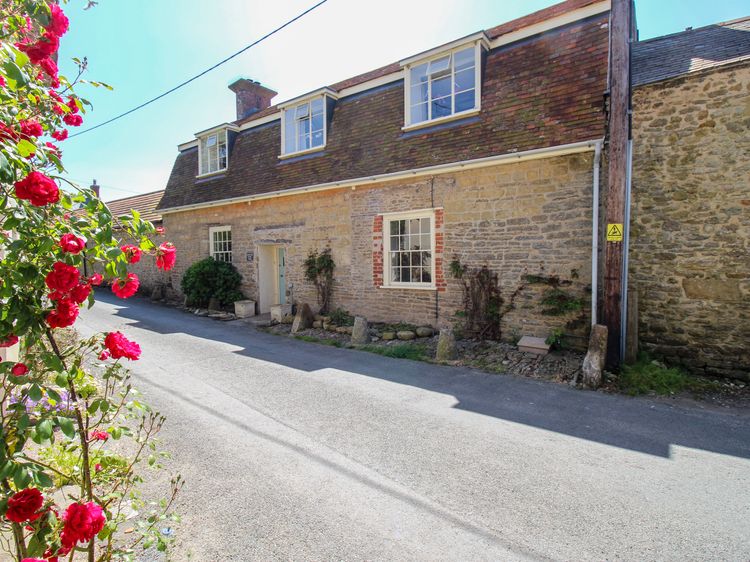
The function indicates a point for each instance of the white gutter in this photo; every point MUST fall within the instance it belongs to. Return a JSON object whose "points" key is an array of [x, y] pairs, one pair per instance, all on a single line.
{"points": [[626, 250], [535, 154], [595, 237]]}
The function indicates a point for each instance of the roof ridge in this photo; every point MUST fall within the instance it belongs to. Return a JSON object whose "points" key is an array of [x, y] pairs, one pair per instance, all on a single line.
{"points": [[134, 196], [692, 30]]}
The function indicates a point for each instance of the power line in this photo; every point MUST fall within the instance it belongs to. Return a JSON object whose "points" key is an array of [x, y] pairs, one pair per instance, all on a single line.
{"points": [[217, 65]]}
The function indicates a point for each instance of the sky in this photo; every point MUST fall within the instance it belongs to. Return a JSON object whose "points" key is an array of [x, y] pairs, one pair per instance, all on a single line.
{"points": [[144, 47]]}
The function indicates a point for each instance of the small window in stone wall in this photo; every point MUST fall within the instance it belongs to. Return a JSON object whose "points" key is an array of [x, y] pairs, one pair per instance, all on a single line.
{"points": [[220, 238], [408, 244]]}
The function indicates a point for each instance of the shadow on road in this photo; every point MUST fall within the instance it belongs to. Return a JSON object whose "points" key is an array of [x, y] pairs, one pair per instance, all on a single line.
{"points": [[637, 424]]}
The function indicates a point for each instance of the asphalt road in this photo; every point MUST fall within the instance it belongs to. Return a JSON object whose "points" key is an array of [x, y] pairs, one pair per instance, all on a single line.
{"points": [[297, 451]]}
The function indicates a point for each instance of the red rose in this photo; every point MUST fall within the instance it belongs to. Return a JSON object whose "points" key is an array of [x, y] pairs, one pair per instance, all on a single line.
{"points": [[33, 560], [72, 104], [54, 148], [98, 467], [9, 341], [7, 132], [119, 346], [2, 82], [81, 523], [64, 314], [160, 230], [31, 128], [71, 243], [58, 21], [104, 355], [73, 120], [19, 369], [49, 67], [60, 135], [166, 255], [98, 436], [80, 292], [132, 253], [127, 287], [63, 277], [38, 188], [42, 49], [23, 505], [96, 279]]}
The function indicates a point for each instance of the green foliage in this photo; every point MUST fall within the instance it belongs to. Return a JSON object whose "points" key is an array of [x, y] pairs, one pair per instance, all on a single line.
{"points": [[413, 351], [322, 341], [211, 278], [555, 339], [558, 302], [341, 317], [46, 443], [648, 376], [319, 267]]}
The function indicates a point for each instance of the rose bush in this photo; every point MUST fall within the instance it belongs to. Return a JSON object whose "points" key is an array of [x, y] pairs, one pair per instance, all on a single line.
{"points": [[66, 399]]}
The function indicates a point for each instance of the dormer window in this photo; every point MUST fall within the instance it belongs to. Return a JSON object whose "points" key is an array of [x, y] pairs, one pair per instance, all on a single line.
{"points": [[304, 124], [444, 83], [213, 152]]}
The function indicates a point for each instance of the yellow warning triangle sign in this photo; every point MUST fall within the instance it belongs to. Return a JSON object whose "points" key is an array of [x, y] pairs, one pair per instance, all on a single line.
{"points": [[614, 232]]}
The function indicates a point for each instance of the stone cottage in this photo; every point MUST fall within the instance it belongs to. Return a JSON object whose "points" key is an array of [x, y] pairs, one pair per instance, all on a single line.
{"points": [[482, 150]]}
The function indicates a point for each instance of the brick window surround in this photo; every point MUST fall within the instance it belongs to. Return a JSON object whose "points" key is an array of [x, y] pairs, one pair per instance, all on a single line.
{"points": [[378, 251]]}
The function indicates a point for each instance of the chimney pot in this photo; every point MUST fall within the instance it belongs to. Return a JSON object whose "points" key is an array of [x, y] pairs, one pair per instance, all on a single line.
{"points": [[95, 188], [251, 97]]}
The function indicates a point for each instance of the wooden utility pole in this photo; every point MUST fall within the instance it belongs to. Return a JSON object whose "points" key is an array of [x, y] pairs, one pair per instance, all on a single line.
{"points": [[619, 135]]}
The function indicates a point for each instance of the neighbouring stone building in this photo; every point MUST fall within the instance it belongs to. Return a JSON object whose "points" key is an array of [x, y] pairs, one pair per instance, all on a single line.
{"points": [[690, 252], [145, 204], [487, 150]]}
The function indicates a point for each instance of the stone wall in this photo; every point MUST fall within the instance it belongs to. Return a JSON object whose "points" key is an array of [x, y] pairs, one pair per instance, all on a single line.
{"points": [[690, 249], [522, 218]]}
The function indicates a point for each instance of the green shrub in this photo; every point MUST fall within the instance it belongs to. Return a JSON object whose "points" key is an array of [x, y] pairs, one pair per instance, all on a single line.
{"points": [[210, 278], [341, 317]]}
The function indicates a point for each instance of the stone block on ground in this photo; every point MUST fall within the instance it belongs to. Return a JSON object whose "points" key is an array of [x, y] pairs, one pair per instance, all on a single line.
{"points": [[388, 336], [537, 346], [159, 292], [304, 318], [593, 363], [244, 308], [360, 331], [317, 324], [446, 346], [278, 311], [406, 335], [425, 332]]}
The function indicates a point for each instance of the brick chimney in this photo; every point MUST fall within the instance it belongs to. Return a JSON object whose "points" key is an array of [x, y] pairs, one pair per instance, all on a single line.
{"points": [[95, 188], [251, 97]]}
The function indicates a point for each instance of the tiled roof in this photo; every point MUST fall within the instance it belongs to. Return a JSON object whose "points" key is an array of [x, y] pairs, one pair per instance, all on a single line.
{"points": [[690, 51], [508, 27], [540, 92], [538, 17], [145, 204]]}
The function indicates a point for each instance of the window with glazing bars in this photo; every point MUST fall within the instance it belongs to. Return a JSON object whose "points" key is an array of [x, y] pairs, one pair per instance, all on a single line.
{"points": [[409, 251], [221, 244]]}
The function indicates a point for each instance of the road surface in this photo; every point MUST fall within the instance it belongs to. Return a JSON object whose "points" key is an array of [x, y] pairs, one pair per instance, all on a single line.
{"points": [[292, 450]]}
